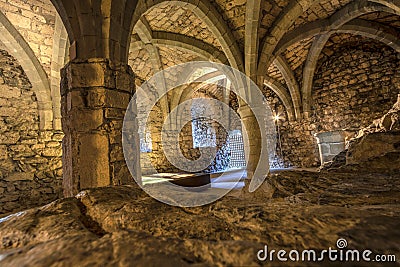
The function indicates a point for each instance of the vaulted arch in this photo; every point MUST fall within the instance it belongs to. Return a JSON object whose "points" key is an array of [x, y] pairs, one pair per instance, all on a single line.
{"points": [[212, 76], [21, 51], [360, 27], [189, 44], [146, 35], [393, 4], [373, 30], [98, 29], [342, 21], [341, 17], [253, 10], [292, 84], [281, 92], [58, 60], [291, 12], [309, 70], [206, 12]]}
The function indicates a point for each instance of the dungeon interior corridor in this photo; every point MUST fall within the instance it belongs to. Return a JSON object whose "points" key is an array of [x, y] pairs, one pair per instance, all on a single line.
{"points": [[92, 95]]}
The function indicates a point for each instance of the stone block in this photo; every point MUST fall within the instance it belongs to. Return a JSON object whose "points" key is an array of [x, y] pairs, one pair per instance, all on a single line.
{"points": [[18, 20], [102, 97], [95, 75], [36, 160], [47, 30], [34, 37], [325, 149], [28, 141], [38, 147], [53, 144], [93, 158], [336, 148], [125, 82], [116, 153], [9, 92], [330, 137], [85, 120], [9, 138], [116, 99], [57, 137], [45, 135], [96, 97], [112, 113], [20, 176], [52, 152], [3, 152], [59, 173]]}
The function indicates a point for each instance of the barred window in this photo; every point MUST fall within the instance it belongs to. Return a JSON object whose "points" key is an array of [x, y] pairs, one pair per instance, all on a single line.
{"points": [[238, 159]]}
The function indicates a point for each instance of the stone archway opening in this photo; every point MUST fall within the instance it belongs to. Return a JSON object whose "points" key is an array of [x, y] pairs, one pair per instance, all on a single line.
{"points": [[30, 157]]}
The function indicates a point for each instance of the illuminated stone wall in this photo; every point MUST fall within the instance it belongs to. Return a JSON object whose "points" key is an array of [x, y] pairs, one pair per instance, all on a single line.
{"points": [[30, 159]]}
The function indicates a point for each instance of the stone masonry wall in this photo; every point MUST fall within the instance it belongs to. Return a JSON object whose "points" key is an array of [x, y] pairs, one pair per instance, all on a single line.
{"points": [[35, 21], [157, 158], [30, 160], [355, 86], [161, 163], [299, 147]]}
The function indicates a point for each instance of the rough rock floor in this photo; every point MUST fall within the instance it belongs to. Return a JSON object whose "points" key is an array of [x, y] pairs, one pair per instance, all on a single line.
{"points": [[122, 226]]}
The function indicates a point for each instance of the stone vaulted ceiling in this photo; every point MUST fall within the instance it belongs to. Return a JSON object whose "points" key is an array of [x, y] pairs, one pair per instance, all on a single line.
{"points": [[171, 18], [277, 43], [283, 42]]}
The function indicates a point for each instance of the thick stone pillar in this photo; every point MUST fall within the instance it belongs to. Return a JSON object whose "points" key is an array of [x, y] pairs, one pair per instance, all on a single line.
{"points": [[95, 94], [253, 134]]}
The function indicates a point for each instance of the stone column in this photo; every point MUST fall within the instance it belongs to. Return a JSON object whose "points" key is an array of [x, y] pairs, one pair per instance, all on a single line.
{"points": [[95, 94], [253, 135]]}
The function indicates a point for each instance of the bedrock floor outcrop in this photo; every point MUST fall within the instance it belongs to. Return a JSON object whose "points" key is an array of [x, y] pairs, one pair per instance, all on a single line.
{"points": [[122, 226]]}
